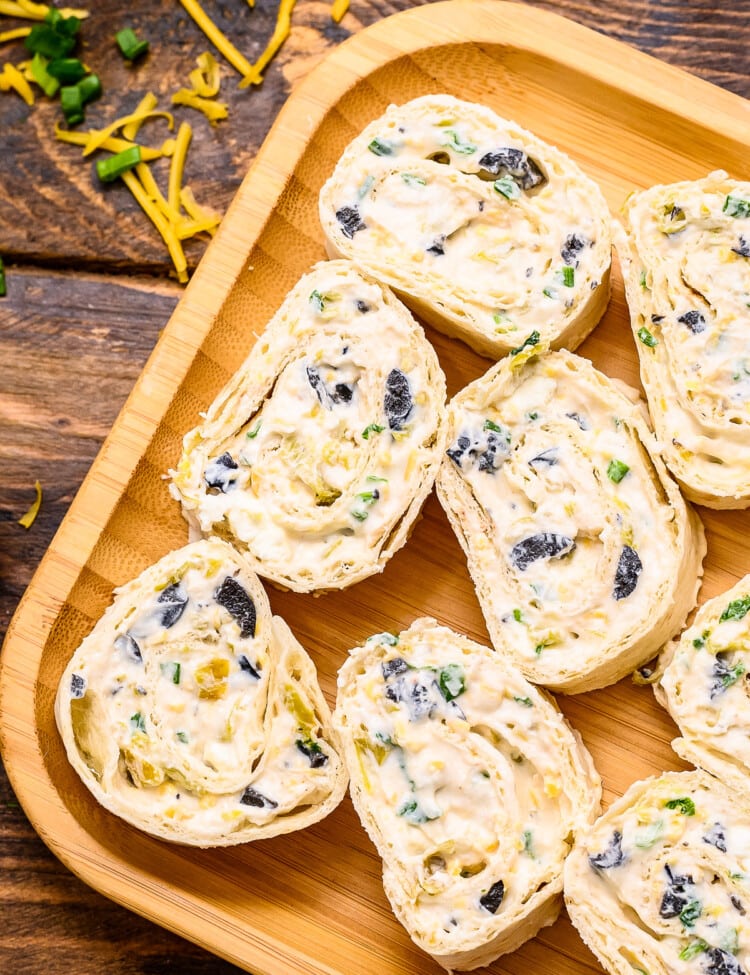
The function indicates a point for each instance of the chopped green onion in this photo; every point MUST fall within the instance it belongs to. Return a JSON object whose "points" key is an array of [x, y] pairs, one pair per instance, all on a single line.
{"points": [[539, 647], [517, 616], [647, 837], [171, 670], [48, 42], [3, 286], [43, 78], [137, 722], [182, 736], [736, 610], [108, 170], [376, 479], [616, 470], [318, 300], [736, 206], [411, 180], [90, 88], [568, 276], [63, 25], [693, 949], [549, 293], [130, 47], [252, 434], [527, 841], [67, 70], [380, 147], [366, 186], [532, 339], [525, 702], [508, 187], [642, 280], [691, 912], [71, 104], [732, 676], [451, 681], [646, 337], [465, 148], [389, 639], [371, 428], [684, 804], [491, 425]]}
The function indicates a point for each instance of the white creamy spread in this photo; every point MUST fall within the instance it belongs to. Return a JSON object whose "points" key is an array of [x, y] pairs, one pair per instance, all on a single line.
{"points": [[187, 710], [705, 686], [464, 210], [314, 472], [662, 881], [467, 778], [687, 263], [563, 509]]}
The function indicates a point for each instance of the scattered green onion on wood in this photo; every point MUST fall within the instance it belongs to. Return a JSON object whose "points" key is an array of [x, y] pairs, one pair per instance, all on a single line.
{"points": [[67, 70], [616, 470], [71, 103], [39, 69], [108, 170], [49, 41], [130, 47]]}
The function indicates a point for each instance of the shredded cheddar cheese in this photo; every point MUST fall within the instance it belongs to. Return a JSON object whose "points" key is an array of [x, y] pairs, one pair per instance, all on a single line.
{"points": [[36, 11], [14, 35], [12, 79], [27, 520], [338, 10]]}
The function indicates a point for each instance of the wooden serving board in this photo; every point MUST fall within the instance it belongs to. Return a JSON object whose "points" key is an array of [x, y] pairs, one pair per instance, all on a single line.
{"points": [[312, 902]]}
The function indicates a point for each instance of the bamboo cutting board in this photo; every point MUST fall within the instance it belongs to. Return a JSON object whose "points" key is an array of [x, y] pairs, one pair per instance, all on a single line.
{"points": [[313, 902]]}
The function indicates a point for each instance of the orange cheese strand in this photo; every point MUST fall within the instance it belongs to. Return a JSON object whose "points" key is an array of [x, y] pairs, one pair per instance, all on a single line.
{"points": [[338, 9], [281, 32], [220, 41]]}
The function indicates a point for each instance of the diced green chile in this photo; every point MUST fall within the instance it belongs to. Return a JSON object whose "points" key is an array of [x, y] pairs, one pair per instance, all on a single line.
{"points": [[126, 645], [629, 568], [451, 681], [251, 797], [351, 221], [493, 898], [694, 320], [716, 837], [736, 610], [544, 545], [174, 599], [220, 473], [675, 897], [515, 163], [77, 685], [611, 856], [397, 401], [572, 248], [247, 668], [234, 598], [312, 750]]}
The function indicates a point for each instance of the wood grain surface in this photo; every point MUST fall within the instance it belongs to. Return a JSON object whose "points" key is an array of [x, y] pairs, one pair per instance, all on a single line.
{"points": [[81, 317]]}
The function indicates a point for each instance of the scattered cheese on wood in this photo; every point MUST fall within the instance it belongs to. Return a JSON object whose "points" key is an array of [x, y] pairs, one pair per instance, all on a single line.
{"points": [[206, 78], [12, 79], [177, 165], [27, 520], [115, 145], [338, 9], [214, 111], [281, 32], [161, 223], [97, 137], [13, 35], [220, 41], [27, 10]]}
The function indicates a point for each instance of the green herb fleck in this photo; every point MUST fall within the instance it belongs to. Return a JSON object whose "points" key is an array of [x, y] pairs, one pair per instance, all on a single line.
{"points": [[372, 428], [366, 186], [171, 670], [527, 847], [532, 416], [451, 681], [646, 838], [549, 293], [412, 180], [690, 913], [736, 206], [642, 280], [731, 941], [616, 470], [517, 616], [532, 340], [568, 276], [646, 337], [491, 425], [684, 804], [456, 143], [318, 301], [525, 702], [736, 610], [700, 641], [732, 676], [380, 147], [182, 736], [137, 722], [389, 639], [252, 434], [693, 949], [508, 187], [412, 811]]}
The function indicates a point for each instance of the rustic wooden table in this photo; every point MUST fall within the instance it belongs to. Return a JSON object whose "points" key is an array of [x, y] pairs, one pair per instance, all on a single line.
{"points": [[89, 290]]}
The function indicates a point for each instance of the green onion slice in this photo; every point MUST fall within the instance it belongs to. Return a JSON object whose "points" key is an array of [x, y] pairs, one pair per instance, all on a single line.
{"points": [[130, 47], [108, 170]]}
